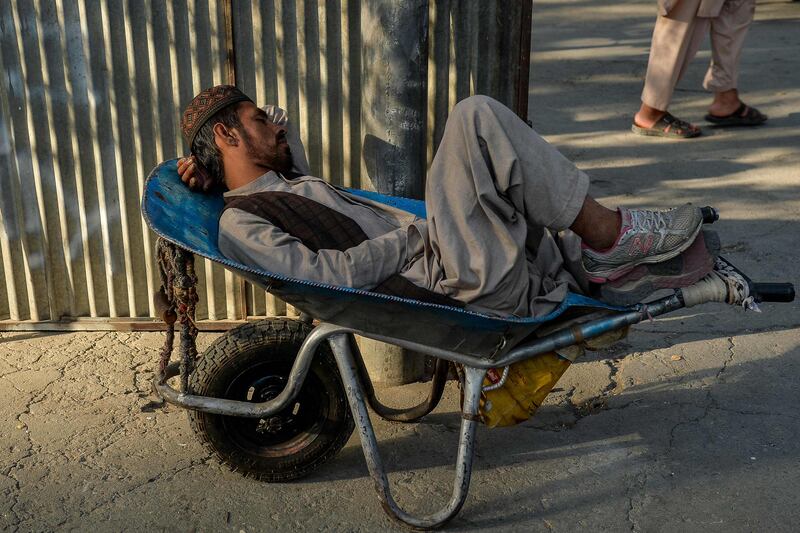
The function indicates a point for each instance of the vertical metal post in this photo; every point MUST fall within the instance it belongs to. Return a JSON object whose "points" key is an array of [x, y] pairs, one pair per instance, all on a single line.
{"points": [[394, 59], [394, 79]]}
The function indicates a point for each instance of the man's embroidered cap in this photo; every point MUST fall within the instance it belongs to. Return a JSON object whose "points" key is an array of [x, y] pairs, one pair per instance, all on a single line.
{"points": [[205, 105]]}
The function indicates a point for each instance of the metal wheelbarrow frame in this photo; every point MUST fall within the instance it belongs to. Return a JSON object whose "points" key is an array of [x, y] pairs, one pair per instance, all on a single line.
{"points": [[475, 340]]}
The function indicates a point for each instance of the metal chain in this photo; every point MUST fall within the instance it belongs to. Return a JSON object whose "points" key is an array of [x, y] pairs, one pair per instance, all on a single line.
{"points": [[178, 295]]}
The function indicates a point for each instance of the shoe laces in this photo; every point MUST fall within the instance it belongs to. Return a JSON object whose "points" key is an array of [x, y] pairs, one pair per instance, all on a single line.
{"points": [[646, 221]]}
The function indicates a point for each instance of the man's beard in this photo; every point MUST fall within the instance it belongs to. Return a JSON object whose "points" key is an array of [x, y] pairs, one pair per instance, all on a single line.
{"points": [[279, 162]]}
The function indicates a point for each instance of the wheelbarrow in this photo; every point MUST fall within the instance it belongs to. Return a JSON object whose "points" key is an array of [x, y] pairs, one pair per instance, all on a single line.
{"points": [[271, 398]]}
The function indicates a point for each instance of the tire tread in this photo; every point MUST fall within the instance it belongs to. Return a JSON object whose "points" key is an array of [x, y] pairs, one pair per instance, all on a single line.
{"points": [[274, 331]]}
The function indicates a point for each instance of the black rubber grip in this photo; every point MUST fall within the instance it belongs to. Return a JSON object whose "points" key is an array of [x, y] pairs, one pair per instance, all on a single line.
{"points": [[710, 215], [773, 292]]}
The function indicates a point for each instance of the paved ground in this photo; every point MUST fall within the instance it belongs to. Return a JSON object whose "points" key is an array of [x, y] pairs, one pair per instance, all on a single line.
{"points": [[691, 424]]}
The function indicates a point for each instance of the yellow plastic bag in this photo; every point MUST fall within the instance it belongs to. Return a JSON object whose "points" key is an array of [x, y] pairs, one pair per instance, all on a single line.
{"points": [[530, 381], [527, 385]]}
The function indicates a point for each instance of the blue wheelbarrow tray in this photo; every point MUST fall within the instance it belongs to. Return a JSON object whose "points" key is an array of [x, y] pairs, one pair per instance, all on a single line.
{"points": [[476, 340], [191, 221]]}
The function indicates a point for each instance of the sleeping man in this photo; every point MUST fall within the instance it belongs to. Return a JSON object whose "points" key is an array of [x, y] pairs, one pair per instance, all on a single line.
{"points": [[497, 196]]}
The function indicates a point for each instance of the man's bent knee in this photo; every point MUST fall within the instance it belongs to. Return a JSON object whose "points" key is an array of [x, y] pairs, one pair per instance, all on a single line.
{"points": [[474, 103]]}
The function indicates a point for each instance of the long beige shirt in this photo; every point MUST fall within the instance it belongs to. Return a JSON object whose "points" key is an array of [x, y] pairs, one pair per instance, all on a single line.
{"points": [[494, 189], [395, 237]]}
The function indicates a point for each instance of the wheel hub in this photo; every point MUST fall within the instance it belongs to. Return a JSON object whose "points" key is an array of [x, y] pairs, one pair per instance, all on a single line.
{"points": [[264, 390], [273, 424], [282, 429]]}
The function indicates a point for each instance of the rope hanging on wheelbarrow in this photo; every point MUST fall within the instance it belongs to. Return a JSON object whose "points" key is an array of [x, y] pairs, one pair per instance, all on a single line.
{"points": [[176, 301]]}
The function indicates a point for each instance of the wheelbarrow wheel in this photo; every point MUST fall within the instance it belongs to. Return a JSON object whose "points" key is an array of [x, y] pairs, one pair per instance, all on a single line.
{"points": [[252, 363]]}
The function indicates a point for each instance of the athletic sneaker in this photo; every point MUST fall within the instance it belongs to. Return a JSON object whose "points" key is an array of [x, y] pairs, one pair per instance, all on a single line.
{"points": [[644, 237], [683, 270]]}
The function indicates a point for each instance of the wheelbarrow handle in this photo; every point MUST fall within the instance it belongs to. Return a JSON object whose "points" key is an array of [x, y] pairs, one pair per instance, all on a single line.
{"points": [[710, 214], [765, 292], [772, 292]]}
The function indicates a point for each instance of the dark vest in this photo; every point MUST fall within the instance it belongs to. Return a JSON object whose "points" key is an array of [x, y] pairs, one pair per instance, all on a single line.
{"points": [[319, 227]]}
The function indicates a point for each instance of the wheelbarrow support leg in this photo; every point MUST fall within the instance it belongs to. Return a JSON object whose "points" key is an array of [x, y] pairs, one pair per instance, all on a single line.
{"points": [[411, 414], [355, 395]]}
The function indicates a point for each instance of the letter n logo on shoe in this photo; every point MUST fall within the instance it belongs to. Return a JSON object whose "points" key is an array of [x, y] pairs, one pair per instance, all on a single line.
{"points": [[642, 246]]}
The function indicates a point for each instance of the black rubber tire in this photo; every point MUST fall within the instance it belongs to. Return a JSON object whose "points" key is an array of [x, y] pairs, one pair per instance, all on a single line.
{"points": [[251, 363]]}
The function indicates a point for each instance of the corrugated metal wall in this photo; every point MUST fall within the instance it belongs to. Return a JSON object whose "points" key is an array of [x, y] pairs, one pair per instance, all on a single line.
{"points": [[90, 99], [90, 96]]}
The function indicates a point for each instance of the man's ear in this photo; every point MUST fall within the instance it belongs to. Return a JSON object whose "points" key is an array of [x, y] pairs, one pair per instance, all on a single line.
{"points": [[224, 135]]}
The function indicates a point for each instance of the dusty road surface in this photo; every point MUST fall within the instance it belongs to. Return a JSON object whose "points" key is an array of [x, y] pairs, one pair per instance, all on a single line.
{"points": [[691, 424]]}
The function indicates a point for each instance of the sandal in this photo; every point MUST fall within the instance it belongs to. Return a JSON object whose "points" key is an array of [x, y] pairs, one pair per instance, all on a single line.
{"points": [[744, 116], [668, 126]]}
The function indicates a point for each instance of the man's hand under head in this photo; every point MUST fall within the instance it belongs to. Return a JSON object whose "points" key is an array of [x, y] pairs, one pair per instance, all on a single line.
{"points": [[194, 175]]}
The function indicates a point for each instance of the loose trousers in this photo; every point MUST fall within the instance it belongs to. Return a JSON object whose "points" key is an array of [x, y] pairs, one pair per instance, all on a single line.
{"points": [[676, 39], [495, 195]]}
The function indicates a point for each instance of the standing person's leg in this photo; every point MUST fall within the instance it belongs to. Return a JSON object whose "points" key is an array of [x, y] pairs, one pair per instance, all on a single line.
{"points": [[676, 39], [728, 31]]}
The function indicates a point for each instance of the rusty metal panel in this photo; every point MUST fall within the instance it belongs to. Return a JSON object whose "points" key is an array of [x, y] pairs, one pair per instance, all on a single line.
{"points": [[90, 98]]}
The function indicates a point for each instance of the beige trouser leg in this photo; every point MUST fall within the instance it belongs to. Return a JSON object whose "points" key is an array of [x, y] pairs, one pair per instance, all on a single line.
{"points": [[492, 188], [728, 31], [676, 39]]}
